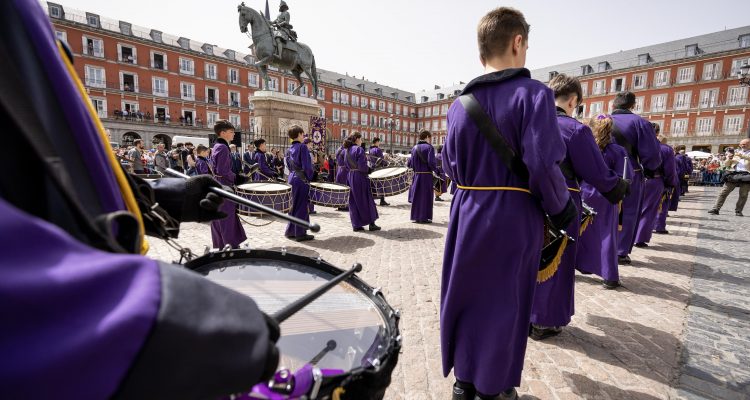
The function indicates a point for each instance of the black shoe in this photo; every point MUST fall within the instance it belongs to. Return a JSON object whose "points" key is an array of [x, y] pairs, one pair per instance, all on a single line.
{"points": [[463, 391], [438, 199], [383, 203], [713, 211], [359, 228], [544, 332], [509, 394], [662, 232], [641, 244], [342, 209], [738, 213], [304, 238], [625, 260], [313, 212], [610, 284], [373, 227]]}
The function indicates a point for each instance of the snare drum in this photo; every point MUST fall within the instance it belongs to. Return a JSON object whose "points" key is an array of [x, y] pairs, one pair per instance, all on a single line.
{"points": [[348, 335], [329, 194], [276, 195], [390, 181]]}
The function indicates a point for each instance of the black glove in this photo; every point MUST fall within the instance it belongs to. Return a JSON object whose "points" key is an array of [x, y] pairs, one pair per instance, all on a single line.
{"points": [[272, 359], [621, 189], [188, 200], [240, 179], [561, 220], [274, 331]]}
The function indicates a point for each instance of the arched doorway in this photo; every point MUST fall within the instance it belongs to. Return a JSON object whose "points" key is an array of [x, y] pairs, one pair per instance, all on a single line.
{"points": [[129, 137], [162, 138]]}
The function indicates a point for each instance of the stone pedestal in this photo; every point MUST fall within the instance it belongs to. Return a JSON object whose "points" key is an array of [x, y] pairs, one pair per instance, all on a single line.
{"points": [[275, 112]]}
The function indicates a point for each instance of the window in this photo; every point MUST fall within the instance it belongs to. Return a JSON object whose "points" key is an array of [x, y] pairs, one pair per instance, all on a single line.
{"points": [[420, 112], [321, 94], [381, 106], [610, 106], [737, 96], [159, 87], [639, 81], [56, 11], [444, 109], [363, 102], [126, 54], [364, 119], [355, 118], [412, 126], [158, 61], [94, 77], [291, 86], [661, 78], [355, 100], [744, 41], [733, 124], [711, 71], [618, 85], [187, 66], [211, 118], [639, 105], [598, 87], [235, 120], [92, 20], [444, 124], [130, 107], [344, 116], [373, 104], [234, 99], [373, 121], [435, 110], [233, 75], [128, 82], [704, 126], [643, 59], [428, 111], [679, 127], [585, 88], [93, 47], [336, 96], [708, 98], [344, 98], [390, 107], [682, 101], [659, 103], [62, 36], [737, 64], [685, 74], [660, 123], [100, 105], [212, 95], [273, 84], [691, 50], [253, 79], [586, 69], [596, 109], [303, 91], [336, 115], [602, 66], [211, 72], [187, 91]]}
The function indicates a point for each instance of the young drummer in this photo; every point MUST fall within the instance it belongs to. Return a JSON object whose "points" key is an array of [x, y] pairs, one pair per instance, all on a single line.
{"points": [[487, 289], [444, 183], [553, 298], [342, 170], [376, 160], [597, 246], [421, 191], [362, 210], [300, 173], [202, 166], [227, 231], [265, 172]]}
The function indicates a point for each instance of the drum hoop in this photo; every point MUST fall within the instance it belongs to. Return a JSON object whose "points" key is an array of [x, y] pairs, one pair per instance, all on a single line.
{"points": [[287, 189], [202, 264], [341, 188], [406, 170]]}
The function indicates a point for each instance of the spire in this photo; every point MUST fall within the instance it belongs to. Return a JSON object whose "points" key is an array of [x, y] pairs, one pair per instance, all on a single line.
{"points": [[268, 11]]}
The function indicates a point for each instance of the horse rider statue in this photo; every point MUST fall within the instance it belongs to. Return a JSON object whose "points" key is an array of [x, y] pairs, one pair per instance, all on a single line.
{"points": [[283, 32]]}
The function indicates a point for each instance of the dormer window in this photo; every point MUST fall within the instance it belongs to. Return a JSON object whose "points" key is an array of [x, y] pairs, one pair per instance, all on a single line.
{"points": [[602, 66], [229, 54], [341, 82], [425, 99], [553, 74], [126, 29], [441, 96], [691, 50], [155, 36], [744, 41], [644, 59], [208, 49], [55, 11], [184, 43], [586, 69], [92, 20], [361, 86]]}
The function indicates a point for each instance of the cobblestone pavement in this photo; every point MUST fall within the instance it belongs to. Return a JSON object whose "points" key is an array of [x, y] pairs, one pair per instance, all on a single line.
{"points": [[683, 301]]}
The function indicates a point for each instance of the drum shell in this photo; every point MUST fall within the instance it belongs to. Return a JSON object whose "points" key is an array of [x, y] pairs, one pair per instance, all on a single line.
{"points": [[391, 185], [278, 199], [326, 196]]}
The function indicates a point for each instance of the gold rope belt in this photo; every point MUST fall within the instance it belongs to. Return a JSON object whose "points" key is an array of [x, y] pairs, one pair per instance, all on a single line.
{"points": [[574, 190], [495, 188]]}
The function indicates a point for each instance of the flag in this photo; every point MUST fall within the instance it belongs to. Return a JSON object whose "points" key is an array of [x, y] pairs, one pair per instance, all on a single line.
{"points": [[268, 11], [318, 133]]}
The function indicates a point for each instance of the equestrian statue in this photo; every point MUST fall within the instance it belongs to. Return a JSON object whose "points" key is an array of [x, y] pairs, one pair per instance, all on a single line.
{"points": [[276, 44]]}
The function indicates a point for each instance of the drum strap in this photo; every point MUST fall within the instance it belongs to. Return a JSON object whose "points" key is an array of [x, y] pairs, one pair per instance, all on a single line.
{"points": [[295, 168], [352, 165]]}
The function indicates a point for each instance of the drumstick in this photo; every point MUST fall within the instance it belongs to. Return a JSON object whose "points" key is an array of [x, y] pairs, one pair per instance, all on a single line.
{"points": [[625, 168], [330, 346], [255, 206], [292, 308]]}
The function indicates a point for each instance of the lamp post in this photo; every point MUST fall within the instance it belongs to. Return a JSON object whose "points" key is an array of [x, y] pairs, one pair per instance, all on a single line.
{"points": [[744, 76], [390, 128]]}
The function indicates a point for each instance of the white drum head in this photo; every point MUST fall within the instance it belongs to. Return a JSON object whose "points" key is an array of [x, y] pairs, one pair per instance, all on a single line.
{"points": [[264, 187], [329, 186], [388, 172]]}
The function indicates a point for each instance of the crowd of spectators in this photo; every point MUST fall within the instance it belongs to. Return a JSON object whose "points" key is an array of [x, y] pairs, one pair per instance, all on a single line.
{"points": [[710, 171]]}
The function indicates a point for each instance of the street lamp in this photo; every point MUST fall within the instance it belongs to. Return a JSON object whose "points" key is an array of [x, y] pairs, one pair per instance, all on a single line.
{"points": [[744, 75], [391, 122]]}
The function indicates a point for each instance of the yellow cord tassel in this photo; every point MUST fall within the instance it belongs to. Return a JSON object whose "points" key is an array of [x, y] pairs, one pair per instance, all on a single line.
{"points": [[337, 393], [585, 224], [661, 202], [547, 273]]}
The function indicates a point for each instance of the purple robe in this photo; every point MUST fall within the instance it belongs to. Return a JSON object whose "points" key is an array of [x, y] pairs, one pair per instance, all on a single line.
{"points": [[300, 173], [597, 247], [376, 158], [342, 167], [264, 172], [421, 195], [441, 173], [654, 195], [362, 210], [227, 231], [554, 302], [639, 133], [202, 167], [494, 238]]}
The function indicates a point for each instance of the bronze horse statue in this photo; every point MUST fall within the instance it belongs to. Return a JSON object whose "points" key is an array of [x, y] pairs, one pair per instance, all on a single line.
{"points": [[296, 57]]}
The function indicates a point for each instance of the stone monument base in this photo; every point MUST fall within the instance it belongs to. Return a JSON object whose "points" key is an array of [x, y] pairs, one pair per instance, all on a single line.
{"points": [[275, 112]]}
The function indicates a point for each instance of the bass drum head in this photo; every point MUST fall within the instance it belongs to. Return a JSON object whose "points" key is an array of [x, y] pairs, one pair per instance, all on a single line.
{"points": [[329, 186], [255, 187], [361, 323], [387, 172]]}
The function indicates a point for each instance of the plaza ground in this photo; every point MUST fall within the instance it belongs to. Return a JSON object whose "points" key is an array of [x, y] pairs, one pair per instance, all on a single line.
{"points": [[679, 327]]}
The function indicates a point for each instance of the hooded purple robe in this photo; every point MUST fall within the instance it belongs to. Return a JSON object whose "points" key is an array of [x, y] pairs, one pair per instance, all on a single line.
{"points": [[227, 231], [421, 195], [376, 158], [300, 173], [441, 173], [672, 199], [494, 238], [264, 172], [342, 167], [655, 195], [201, 166], [362, 210], [640, 136], [554, 302], [597, 247]]}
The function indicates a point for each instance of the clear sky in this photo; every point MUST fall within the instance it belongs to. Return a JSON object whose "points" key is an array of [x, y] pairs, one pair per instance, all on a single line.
{"points": [[416, 44]]}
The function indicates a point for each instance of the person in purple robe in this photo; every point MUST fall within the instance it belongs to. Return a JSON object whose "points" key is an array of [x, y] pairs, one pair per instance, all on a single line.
{"points": [[672, 196], [686, 164], [495, 234], [376, 159], [636, 135], [655, 193], [342, 171], [597, 245], [362, 210], [554, 302], [264, 172], [444, 182], [309, 144], [421, 193], [87, 316], [300, 173], [202, 166], [227, 231]]}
